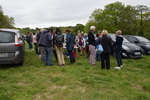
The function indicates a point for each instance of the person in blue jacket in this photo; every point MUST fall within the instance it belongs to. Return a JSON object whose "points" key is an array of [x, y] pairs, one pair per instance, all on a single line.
{"points": [[70, 45], [118, 45]]}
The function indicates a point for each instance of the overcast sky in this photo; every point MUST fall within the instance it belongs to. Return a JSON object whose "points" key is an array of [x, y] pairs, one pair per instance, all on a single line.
{"points": [[46, 13]]}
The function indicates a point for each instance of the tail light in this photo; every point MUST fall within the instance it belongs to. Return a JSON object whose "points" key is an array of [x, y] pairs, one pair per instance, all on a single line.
{"points": [[17, 43]]}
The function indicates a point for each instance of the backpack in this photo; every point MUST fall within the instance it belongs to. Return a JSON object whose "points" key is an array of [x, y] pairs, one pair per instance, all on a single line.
{"points": [[59, 39], [81, 41]]}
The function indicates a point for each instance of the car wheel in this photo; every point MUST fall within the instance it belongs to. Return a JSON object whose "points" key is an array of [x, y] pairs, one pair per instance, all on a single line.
{"points": [[143, 51], [20, 64]]}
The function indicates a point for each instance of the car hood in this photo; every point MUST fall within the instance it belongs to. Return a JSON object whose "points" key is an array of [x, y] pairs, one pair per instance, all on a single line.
{"points": [[132, 46], [147, 44]]}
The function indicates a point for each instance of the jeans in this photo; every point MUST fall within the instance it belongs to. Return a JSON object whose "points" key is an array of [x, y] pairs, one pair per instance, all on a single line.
{"points": [[72, 59], [42, 53], [36, 48], [118, 57], [48, 59], [30, 45]]}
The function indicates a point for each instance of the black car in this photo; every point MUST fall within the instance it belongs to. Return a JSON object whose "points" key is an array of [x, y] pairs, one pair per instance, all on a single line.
{"points": [[129, 50], [140, 41]]}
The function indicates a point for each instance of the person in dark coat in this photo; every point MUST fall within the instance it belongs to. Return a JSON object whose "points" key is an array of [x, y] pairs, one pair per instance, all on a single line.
{"points": [[41, 51], [45, 40], [105, 56], [29, 40], [53, 48], [70, 45], [118, 45], [92, 49]]}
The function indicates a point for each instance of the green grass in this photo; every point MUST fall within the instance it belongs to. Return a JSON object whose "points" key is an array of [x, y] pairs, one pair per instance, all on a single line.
{"points": [[79, 81]]}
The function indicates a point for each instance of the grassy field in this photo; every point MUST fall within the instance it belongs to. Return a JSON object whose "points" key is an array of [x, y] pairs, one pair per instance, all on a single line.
{"points": [[79, 81]]}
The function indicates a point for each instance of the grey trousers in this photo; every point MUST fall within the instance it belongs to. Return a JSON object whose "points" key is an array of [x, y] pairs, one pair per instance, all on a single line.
{"points": [[43, 54], [92, 54]]}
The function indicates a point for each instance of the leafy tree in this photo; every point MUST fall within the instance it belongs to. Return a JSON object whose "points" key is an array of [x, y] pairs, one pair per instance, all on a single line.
{"points": [[95, 19], [112, 16], [78, 27], [143, 16], [127, 20], [1, 17], [6, 21], [115, 16]]}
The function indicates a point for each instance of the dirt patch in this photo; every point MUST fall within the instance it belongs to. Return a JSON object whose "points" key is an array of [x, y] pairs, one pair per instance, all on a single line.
{"points": [[137, 86], [22, 84]]}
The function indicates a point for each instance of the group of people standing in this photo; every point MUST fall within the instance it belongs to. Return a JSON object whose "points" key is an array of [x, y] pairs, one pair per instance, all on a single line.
{"points": [[106, 43], [90, 42], [31, 39], [48, 41]]}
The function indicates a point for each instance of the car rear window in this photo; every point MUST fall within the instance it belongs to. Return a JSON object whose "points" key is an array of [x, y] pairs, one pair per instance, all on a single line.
{"points": [[7, 37]]}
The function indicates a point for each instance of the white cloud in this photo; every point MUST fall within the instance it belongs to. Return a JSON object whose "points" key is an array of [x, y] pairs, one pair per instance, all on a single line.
{"points": [[45, 13]]}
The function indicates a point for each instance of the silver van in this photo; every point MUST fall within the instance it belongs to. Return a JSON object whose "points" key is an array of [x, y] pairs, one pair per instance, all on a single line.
{"points": [[11, 47]]}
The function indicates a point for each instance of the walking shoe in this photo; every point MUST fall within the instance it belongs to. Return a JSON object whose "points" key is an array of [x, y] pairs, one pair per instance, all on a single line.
{"points": [[40, 56], [121, 66], [87, 56], [117, 67], [51, 65], [94, 64]]}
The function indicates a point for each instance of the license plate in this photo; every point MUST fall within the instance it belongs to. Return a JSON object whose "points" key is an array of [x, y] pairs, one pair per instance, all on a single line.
{"points": [[3, 54], [137, 53]]}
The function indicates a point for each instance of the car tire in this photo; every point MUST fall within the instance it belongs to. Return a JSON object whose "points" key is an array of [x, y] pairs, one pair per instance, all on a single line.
{"points": [[20, 64], [143, 51]]}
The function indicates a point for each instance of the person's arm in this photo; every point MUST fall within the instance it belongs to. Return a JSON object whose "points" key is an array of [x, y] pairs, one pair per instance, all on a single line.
{"points": [[27, 38], [50, 37], [110, 42], [116, 42], [100, 40], [63, 39], [67, 39], [89, 37]]}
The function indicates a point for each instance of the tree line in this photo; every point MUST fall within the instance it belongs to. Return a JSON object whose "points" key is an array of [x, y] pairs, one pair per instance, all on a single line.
{"points": [[132, 20]]}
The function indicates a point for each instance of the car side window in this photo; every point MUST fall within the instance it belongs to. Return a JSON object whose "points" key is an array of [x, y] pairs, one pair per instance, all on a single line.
{"points": [[133, 39]]}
